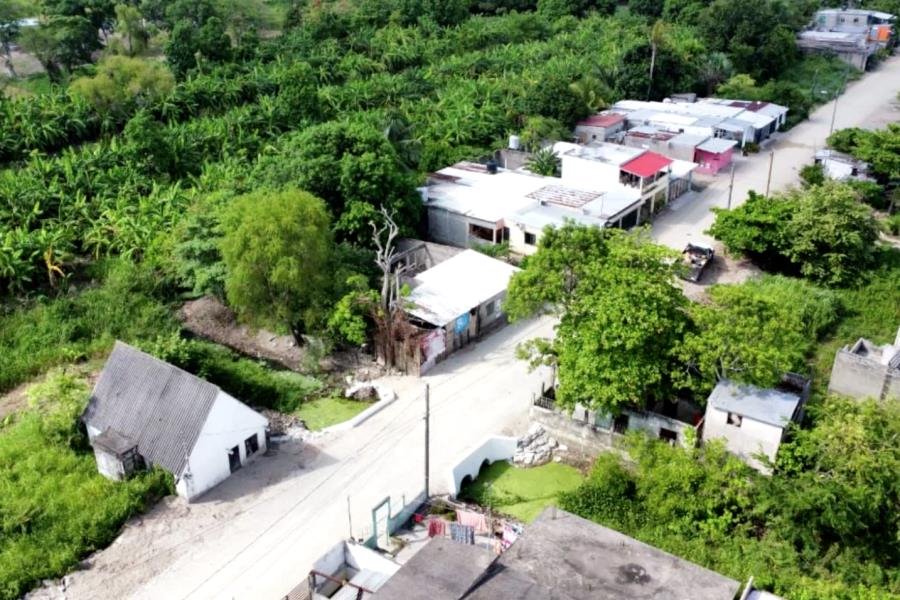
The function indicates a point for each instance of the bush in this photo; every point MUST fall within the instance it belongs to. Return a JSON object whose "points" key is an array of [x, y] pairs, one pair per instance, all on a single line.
{"points": [[250, 381], [123, 305], [892, 224], [55, 508]]}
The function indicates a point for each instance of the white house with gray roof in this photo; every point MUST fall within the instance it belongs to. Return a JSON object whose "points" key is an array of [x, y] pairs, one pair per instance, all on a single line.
{"points": [[751, 420], [144, 412]]}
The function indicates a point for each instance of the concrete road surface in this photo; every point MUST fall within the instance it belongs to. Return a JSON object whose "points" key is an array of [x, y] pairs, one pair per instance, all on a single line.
{"points": [[256, 535], [870, 102]]}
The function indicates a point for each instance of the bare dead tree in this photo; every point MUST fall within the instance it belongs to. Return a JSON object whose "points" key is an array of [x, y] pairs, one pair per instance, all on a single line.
{"points": [[393, 330]]}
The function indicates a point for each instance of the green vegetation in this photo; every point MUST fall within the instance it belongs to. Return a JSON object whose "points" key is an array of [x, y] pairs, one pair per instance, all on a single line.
{"points": [[54, 506], [823, 526], [753, 332], [823, 232], [324, 412], [521, 493]]}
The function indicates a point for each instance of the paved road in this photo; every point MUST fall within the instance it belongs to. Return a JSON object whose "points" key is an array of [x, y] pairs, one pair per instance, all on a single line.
{"points": [[257, 534], [870, 102]]}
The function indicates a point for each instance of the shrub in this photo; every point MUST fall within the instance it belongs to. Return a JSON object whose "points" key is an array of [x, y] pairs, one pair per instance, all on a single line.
{"points": [[54, 506]]}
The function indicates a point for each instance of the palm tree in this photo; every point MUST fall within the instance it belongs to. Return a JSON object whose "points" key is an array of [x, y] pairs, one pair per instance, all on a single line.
{"points": [[544, 162], [658, 38], [715, 69], [593, 92]]}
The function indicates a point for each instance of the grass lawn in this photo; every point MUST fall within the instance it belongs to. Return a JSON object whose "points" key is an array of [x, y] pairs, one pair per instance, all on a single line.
{"points": [[325, 412], [521, 493]]}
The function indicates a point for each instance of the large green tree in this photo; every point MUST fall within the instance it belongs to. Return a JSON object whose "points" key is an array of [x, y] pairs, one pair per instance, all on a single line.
{"points": [[753, 333], [122, 84], [277, 250], [620, 314], [62, 43], [823, 232]]}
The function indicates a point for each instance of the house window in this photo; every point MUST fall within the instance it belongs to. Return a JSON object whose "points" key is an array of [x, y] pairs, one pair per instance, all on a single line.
{"points": [[667, 435], [491, 308], [530, 239], [734, 419], [482, 233], [251, 444], [620, 424]]}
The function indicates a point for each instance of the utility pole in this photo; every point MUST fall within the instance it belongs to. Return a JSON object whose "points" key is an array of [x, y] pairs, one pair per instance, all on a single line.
{"points": [[836, 96], [769, 180], [349, 518], [731, 185], [427, 441]]}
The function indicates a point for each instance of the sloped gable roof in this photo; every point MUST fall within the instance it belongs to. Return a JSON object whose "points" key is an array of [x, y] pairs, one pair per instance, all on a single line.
{"points": [[160, 406]]}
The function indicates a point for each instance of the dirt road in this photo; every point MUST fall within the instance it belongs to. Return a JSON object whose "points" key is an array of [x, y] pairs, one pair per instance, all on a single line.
{"points": [[869, 102], [256, 535]]}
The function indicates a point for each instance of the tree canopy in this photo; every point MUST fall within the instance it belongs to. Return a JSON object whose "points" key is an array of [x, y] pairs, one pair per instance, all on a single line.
{"points": [[620, 314], [122, 83], [823, 232], [752, 333], [277, 250], [822, 526]]}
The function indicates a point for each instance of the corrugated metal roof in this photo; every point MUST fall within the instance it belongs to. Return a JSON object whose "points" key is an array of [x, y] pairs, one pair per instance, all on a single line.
{"points": [[447, 291], [771, 406], [152, 402], [602, 120], [647, 164], [717, 145]]}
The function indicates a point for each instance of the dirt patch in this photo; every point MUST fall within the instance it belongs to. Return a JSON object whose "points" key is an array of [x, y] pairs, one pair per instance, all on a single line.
{"points": [[16, 399], [208, 318], [723, 269]]}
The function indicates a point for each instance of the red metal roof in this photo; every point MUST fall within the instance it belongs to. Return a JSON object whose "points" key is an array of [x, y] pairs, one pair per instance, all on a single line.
{"points": [[603, 120], [647, 164]]}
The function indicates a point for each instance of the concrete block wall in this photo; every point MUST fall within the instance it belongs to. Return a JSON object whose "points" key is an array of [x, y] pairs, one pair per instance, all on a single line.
{"points": [[858, 377], [579, 436]]}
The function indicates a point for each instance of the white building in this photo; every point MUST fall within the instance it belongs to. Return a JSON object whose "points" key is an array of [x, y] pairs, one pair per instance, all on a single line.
{"points": [[840, 166], [743, 121], [752, 420], [144, 412], [469, 205]]}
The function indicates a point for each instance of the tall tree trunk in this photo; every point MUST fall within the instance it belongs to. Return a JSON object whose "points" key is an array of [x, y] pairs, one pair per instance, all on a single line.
{"points": [[652, 67]]}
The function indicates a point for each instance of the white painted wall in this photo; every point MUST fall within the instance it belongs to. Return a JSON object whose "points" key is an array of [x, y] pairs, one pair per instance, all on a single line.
{"points": [[228, 424], [362, 558], [752, 437], [493, 449], [835, 169], [108, 465]]}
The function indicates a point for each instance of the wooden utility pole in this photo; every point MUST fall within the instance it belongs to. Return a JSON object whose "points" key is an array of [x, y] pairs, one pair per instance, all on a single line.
{"points": [[427, 441], [769, 180], [349, 518], [731, 185]]}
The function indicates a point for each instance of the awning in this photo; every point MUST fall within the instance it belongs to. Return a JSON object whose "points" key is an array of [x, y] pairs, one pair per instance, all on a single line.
{"points": [[647, 164]]}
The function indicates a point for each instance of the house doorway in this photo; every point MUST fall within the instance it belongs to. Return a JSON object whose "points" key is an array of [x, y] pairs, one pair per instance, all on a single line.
{"points": [[234, 459]]}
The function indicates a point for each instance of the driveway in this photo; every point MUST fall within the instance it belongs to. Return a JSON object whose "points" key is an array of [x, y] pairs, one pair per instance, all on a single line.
{"points": [[256, 535], [870, 102]]}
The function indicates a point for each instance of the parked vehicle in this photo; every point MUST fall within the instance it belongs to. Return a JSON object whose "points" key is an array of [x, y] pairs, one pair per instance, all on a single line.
{"points": [[696, 259]]}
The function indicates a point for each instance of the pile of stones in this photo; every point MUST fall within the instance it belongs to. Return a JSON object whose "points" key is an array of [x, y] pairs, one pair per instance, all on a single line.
{"points": [[536, 447]]}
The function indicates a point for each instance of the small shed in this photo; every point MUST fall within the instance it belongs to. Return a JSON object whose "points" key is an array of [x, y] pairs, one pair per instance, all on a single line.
{"points": [[457, 301], [599, 127], [714, 154], [842, 167], [144, 412], [753, 420]]}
